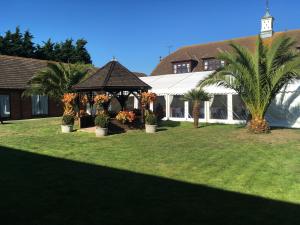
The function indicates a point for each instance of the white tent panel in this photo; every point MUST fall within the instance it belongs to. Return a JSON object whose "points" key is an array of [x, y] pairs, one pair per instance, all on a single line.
{"points": [[179, 84], [284, 110], [175, 83]]}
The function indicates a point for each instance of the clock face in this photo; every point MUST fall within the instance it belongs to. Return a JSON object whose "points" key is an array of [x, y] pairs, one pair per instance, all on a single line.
{"points": [[267, 24]]}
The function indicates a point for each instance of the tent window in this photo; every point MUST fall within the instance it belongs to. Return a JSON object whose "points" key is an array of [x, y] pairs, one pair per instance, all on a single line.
{"points": [[159, 106], [201, 110], [239, 108], [4, 106], [39, 105], [177, 107], [218, 108]]}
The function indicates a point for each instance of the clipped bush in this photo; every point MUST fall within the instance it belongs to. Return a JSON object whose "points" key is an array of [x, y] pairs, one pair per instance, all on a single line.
{"points": [[102, 120], [68, 120]]}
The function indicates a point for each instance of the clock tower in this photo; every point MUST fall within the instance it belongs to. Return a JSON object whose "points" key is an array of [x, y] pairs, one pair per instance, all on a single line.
{"points": [[267, 23]]}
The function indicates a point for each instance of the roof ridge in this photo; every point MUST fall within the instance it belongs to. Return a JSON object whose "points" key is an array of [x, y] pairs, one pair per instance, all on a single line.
{"points": [[29, 59], [112, 66], [235, 39], [222, 41]]}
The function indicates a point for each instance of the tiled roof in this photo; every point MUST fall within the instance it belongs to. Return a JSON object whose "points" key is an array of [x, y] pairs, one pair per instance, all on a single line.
{"points": [[112, 76], [15, 72], [200, 51]]}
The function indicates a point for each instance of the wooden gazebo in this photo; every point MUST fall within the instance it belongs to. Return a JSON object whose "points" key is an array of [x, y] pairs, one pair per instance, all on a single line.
{"points": [[113, 79]]}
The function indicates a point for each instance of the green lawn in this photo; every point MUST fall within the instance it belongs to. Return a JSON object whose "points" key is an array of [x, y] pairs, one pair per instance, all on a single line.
{"points": [[218, 174]]}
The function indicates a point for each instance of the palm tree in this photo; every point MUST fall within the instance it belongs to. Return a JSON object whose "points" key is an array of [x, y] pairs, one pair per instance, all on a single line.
{"points": [[56, 79], [196, 96], [258, 76]]}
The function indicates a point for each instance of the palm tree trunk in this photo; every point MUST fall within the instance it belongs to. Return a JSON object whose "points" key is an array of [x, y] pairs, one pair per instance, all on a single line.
{"points": [[258, 125], [196, 113]]}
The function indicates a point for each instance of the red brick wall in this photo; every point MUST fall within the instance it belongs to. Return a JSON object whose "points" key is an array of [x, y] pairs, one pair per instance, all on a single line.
{"points": [[20, 107], [55, 108], [15, 105]]}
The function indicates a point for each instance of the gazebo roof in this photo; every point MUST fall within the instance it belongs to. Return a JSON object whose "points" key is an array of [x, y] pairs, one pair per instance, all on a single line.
{"points": [[112, 77]]}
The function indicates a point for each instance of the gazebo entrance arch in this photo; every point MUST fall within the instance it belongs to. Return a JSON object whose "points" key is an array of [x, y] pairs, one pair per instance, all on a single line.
{"points": [[114, 80]]}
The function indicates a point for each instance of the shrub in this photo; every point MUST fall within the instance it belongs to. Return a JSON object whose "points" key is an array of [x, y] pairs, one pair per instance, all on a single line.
{"points": [[126, 116], [150, 118], [102, 120], [68, 120]]}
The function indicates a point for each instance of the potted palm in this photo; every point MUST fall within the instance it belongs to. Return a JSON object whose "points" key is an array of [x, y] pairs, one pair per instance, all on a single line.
{"points": [[101, 123], [196, 96], [151, 122], [67, 123]]}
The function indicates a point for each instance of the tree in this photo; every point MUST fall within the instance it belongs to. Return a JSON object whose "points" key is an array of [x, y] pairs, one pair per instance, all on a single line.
{"points": [[258, 76], [45, 51], [19, 44], [16, 40], [81, 54], [56, 80], [196, 96], [28, 48], [6, 45], [66, 52]]}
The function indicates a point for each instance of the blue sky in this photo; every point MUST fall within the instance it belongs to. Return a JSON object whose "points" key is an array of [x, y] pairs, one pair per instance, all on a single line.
{"points": [[137, 32]]}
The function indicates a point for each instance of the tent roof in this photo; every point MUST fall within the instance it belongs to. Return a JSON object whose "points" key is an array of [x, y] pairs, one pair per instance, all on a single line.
{"points": [[112, 76], [179, 84]]}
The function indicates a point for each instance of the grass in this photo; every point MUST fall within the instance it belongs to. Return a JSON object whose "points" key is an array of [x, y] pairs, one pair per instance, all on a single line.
{"points": [[218, 174]]}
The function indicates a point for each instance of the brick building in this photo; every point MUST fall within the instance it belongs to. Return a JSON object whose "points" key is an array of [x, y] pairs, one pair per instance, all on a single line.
{"points": [[15, 72]]}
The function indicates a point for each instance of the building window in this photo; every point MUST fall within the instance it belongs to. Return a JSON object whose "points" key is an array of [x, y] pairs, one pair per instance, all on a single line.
{"points": [[39, 105], [182, 67], [4, 106], [213, 64]]}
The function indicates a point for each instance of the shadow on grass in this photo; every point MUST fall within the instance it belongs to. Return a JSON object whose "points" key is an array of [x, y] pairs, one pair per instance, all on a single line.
{"points": [[5, 123], [37, 189], [160, 129], [169, 123]]}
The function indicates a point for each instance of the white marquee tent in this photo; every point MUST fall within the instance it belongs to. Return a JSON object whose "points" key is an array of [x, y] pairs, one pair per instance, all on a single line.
{"points": [[225, 105]]}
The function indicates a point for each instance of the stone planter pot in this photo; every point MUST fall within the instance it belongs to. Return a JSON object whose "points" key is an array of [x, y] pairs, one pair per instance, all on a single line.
{"points": [[150, 128], [101, 132], [66, 128]]}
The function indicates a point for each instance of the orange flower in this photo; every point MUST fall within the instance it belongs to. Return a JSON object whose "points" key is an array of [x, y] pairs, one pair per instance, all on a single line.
{"points": [[100, 99], [69, 98], [84, 99], [69, 102], [126, 116], [148, 97]]}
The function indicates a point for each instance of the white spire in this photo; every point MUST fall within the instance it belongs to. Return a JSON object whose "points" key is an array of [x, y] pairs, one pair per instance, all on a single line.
{"points": [[267, 23]]}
